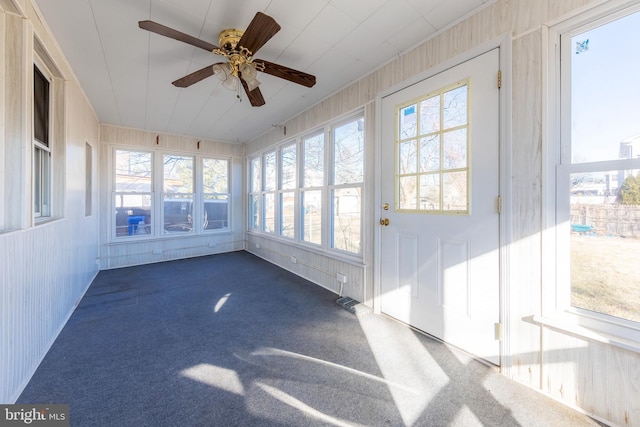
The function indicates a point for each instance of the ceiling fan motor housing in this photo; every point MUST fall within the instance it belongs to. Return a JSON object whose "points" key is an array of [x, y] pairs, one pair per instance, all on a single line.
{"points": [[229, 38]]}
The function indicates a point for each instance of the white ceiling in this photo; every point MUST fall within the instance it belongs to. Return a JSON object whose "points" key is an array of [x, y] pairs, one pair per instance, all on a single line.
{"points": [[127, 72]]}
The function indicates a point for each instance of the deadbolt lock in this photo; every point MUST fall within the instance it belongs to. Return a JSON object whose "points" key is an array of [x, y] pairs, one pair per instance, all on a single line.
{"points": [[385, 206]]}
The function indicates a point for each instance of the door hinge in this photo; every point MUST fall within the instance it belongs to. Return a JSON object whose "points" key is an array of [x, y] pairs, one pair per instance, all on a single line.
{"points": [[497, 328], [499, 203], [499, 79]]}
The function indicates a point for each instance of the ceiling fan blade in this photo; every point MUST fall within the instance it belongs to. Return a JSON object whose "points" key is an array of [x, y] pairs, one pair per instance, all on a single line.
{"points": [[255, 96], [259, 31], [194, 77], [154, 27], [287, 73]]}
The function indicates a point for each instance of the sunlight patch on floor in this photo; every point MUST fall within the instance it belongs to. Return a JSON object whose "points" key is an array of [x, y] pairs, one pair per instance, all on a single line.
{"points": [[215, 376], [303, 407], [221, 302], [408, 363]]}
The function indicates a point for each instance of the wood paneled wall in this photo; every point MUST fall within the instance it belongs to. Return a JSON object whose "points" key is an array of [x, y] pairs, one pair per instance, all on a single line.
{"points": [[45, 268], [597, 378]]}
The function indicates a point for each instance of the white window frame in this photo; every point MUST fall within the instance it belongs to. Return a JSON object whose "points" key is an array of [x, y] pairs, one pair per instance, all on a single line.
{"points": [[43, 189], [326, 189], [176, 195], [556, 310], [200, 197], [282, 190]]}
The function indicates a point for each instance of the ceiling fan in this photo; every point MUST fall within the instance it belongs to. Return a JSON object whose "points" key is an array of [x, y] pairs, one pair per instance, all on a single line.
{"points": [[238, 47]]}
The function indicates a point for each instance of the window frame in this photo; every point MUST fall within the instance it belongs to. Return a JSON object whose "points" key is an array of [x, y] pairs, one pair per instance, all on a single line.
{"points": [[556, 309], [188, 197], [42, 172], [325, 189], [201, 195]]}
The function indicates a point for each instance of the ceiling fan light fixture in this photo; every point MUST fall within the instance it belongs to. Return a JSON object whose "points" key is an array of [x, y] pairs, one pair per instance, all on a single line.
{"points": [[231, 82], [222, 71]]}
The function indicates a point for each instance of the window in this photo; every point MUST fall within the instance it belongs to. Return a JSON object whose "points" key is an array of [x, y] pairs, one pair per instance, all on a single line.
{"points": [[215, 194], [346, 191], [432, 169], [287, 195], [597, 200], [255, 170], [190, 196], [177, 193], [133, 195], [269, 193], [41, 146], [310, 190]]}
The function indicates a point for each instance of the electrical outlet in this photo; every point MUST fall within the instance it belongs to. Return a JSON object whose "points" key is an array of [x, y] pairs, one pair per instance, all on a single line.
{"points": [[341, 278], [294, 259]]}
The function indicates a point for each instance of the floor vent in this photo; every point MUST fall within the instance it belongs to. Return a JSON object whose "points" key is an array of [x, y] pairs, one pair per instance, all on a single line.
{"points": [[354, 306]]}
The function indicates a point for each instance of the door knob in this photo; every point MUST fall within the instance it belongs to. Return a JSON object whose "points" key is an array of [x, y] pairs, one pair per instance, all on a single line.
{"points": [[384, 221]]}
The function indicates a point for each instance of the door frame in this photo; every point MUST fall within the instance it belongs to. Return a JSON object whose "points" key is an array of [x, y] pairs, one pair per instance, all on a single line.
{"points": [[502, 42]]}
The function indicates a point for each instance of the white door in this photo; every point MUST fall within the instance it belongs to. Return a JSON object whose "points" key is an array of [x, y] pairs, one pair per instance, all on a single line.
{"points": [[439, 265]]}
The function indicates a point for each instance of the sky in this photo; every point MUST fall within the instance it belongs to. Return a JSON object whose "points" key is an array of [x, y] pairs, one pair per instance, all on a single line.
{"points": [[605, 90]]}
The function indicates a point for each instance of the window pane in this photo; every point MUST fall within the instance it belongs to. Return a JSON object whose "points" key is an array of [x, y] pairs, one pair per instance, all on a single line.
{"points": [[312, 216], [269, 203], [430, 192], [605, 242], [216, 212], [408, 196], [454, 191], [133, 214], [256, 175], [178, 174], [289, 167], [346, 219], [408, 122], [430, 115], [40, 107], [178, 213], [605, 92], [287, 214], [313, 161], [270, 171], [430, 153], [215, 178], [349, 153], [408, 157], [454, 108], [454, 149], [133, 171], [254, 211]]}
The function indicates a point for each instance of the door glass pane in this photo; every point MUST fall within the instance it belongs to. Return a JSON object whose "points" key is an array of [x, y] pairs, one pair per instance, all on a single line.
{"points": [[454, 191], [432, 170], [454, 109], [454, 149]]}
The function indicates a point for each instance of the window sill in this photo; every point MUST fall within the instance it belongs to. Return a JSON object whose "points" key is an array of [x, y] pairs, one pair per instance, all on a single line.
{"points": [[145, 238], [566, 323], [45, 220]]}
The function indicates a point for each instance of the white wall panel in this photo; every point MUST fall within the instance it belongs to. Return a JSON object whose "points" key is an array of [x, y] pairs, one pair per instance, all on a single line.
{"points": [[598, 378], [44, 269]]}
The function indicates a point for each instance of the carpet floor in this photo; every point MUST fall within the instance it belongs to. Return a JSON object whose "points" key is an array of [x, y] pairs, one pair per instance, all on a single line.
{"points": [[232, 340]]}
